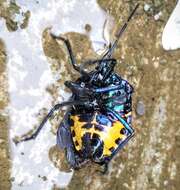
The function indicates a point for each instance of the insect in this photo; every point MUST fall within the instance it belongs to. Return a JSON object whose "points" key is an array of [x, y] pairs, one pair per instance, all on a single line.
{"points": [[97, 123]]}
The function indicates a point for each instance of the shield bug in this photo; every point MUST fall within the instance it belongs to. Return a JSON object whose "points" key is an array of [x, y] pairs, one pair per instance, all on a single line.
{"points": [[97, 123]]}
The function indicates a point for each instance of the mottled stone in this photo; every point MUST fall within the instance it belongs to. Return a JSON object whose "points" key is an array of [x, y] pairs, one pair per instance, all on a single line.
{"points": [[150, 161], [140, 108]]}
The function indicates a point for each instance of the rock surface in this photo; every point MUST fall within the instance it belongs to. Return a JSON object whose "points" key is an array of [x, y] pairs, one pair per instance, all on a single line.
{"points": [[150, 161]]}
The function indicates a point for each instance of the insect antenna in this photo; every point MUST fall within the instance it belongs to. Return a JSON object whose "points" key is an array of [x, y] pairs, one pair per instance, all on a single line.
{"points": [[108, 54]]}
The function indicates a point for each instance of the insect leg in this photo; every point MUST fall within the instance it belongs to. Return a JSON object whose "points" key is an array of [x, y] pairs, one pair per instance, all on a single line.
{"points": [[120, 32], [78, 89], [91, 62], [70, 52], [68, 46], [56, 107], [107, 89], [105, 168]]}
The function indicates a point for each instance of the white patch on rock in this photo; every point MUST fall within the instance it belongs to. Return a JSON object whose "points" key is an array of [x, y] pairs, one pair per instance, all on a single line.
{"points": [[171, 33], [147, 7], [157, 16]]}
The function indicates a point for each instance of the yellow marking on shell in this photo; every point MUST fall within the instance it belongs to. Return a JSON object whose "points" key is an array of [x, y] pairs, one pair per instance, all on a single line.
{"points": [[108, 136], [79, 132]]}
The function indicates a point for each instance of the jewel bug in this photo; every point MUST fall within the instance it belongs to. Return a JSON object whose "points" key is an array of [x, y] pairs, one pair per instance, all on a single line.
{"points": [[97, 123]]}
